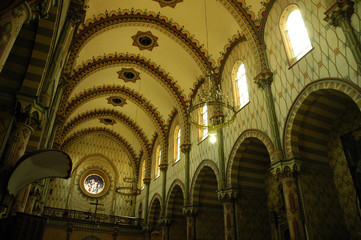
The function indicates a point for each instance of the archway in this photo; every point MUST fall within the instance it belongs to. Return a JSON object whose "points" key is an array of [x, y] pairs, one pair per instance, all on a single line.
{"points": [[250, 176], [209, 218], [178, 223], [321, 118], [153, 217]]}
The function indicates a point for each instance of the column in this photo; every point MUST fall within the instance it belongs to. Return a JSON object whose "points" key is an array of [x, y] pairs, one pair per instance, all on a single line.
{"points": [[264, 81], [16, 146], [186, 148], [286, 172], [146, 202], [228, 197], [163, 170], [339, 15], [190, 213], [164, 222], [11, 23]]}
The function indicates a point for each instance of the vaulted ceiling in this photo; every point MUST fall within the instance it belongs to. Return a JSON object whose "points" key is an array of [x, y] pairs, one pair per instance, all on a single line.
{"points": [[134, 64]]}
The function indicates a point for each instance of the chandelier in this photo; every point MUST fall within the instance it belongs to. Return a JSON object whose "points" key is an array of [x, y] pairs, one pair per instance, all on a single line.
{"points": [[208, 110]]}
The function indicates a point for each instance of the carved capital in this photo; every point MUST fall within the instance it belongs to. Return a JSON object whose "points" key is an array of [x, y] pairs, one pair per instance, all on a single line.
{"points": [[286, 168], [189, 210], [164, 221], [186, 147], [338, 12], [146, 181], [163, 167], [227, 195], [76, 12], [264, 78]]}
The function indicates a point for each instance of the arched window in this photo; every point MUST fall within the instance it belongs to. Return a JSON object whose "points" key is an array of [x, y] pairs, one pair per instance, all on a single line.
{"points": [[142, 176], [203, 120], [294, 34], [158, 157], [177, 136], [239, 85]]}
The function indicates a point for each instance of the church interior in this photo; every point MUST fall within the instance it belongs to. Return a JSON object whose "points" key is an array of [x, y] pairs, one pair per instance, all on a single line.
{"points": [[180, 119]]}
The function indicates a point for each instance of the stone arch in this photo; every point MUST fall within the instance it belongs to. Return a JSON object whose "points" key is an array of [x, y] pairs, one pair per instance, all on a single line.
{"points": [[250, 133], [198, 173], [90, 236], [301, 104], [115, 136], [154, 209], [176, 183], [83, 159]]}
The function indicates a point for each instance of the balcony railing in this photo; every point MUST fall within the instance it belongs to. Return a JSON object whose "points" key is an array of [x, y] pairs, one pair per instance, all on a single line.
{"points": [[91, 217]]}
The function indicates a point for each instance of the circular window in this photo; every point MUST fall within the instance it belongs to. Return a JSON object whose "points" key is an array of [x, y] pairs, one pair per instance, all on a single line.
{"points": [[94, 183], [108, 120]]}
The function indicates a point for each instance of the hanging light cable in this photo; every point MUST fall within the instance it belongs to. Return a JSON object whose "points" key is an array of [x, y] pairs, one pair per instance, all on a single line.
{"points": [[220, 113]]}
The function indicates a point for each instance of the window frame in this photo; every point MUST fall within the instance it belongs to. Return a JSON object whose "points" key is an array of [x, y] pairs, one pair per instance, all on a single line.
{"points": [[235, 89], [291, 58], [176, 144]]}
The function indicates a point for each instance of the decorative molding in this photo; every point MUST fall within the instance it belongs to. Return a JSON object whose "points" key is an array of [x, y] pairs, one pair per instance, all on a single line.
{"points": [[128, 75], [115, 136], [117, 101], [169, 3], [145, 40], [127, 17], [107, 121]]}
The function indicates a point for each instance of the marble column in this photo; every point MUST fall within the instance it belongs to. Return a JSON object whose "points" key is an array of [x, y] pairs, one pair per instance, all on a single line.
{"points": [[163, 170], [228, 197], [339, 15], [286, 172], [10, 26], [190, 213]]}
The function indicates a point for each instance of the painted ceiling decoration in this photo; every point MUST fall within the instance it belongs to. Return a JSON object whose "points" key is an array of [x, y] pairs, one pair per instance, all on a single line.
{"points": [[146, 60], [107, 114], [117, 101], [145, 40], [125, 145], [107, 121], [129, 75], [148, 19], [170, 3]]}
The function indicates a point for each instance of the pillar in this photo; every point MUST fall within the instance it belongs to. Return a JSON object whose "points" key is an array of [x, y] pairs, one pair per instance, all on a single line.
{"points": [[163, 170], [264, 81], [164, 222], [146, 202], [286, 172], [339, 15], [228, 197], [190, 213], [11, 23], [16, 146], [221, 166], [186, 148]]}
